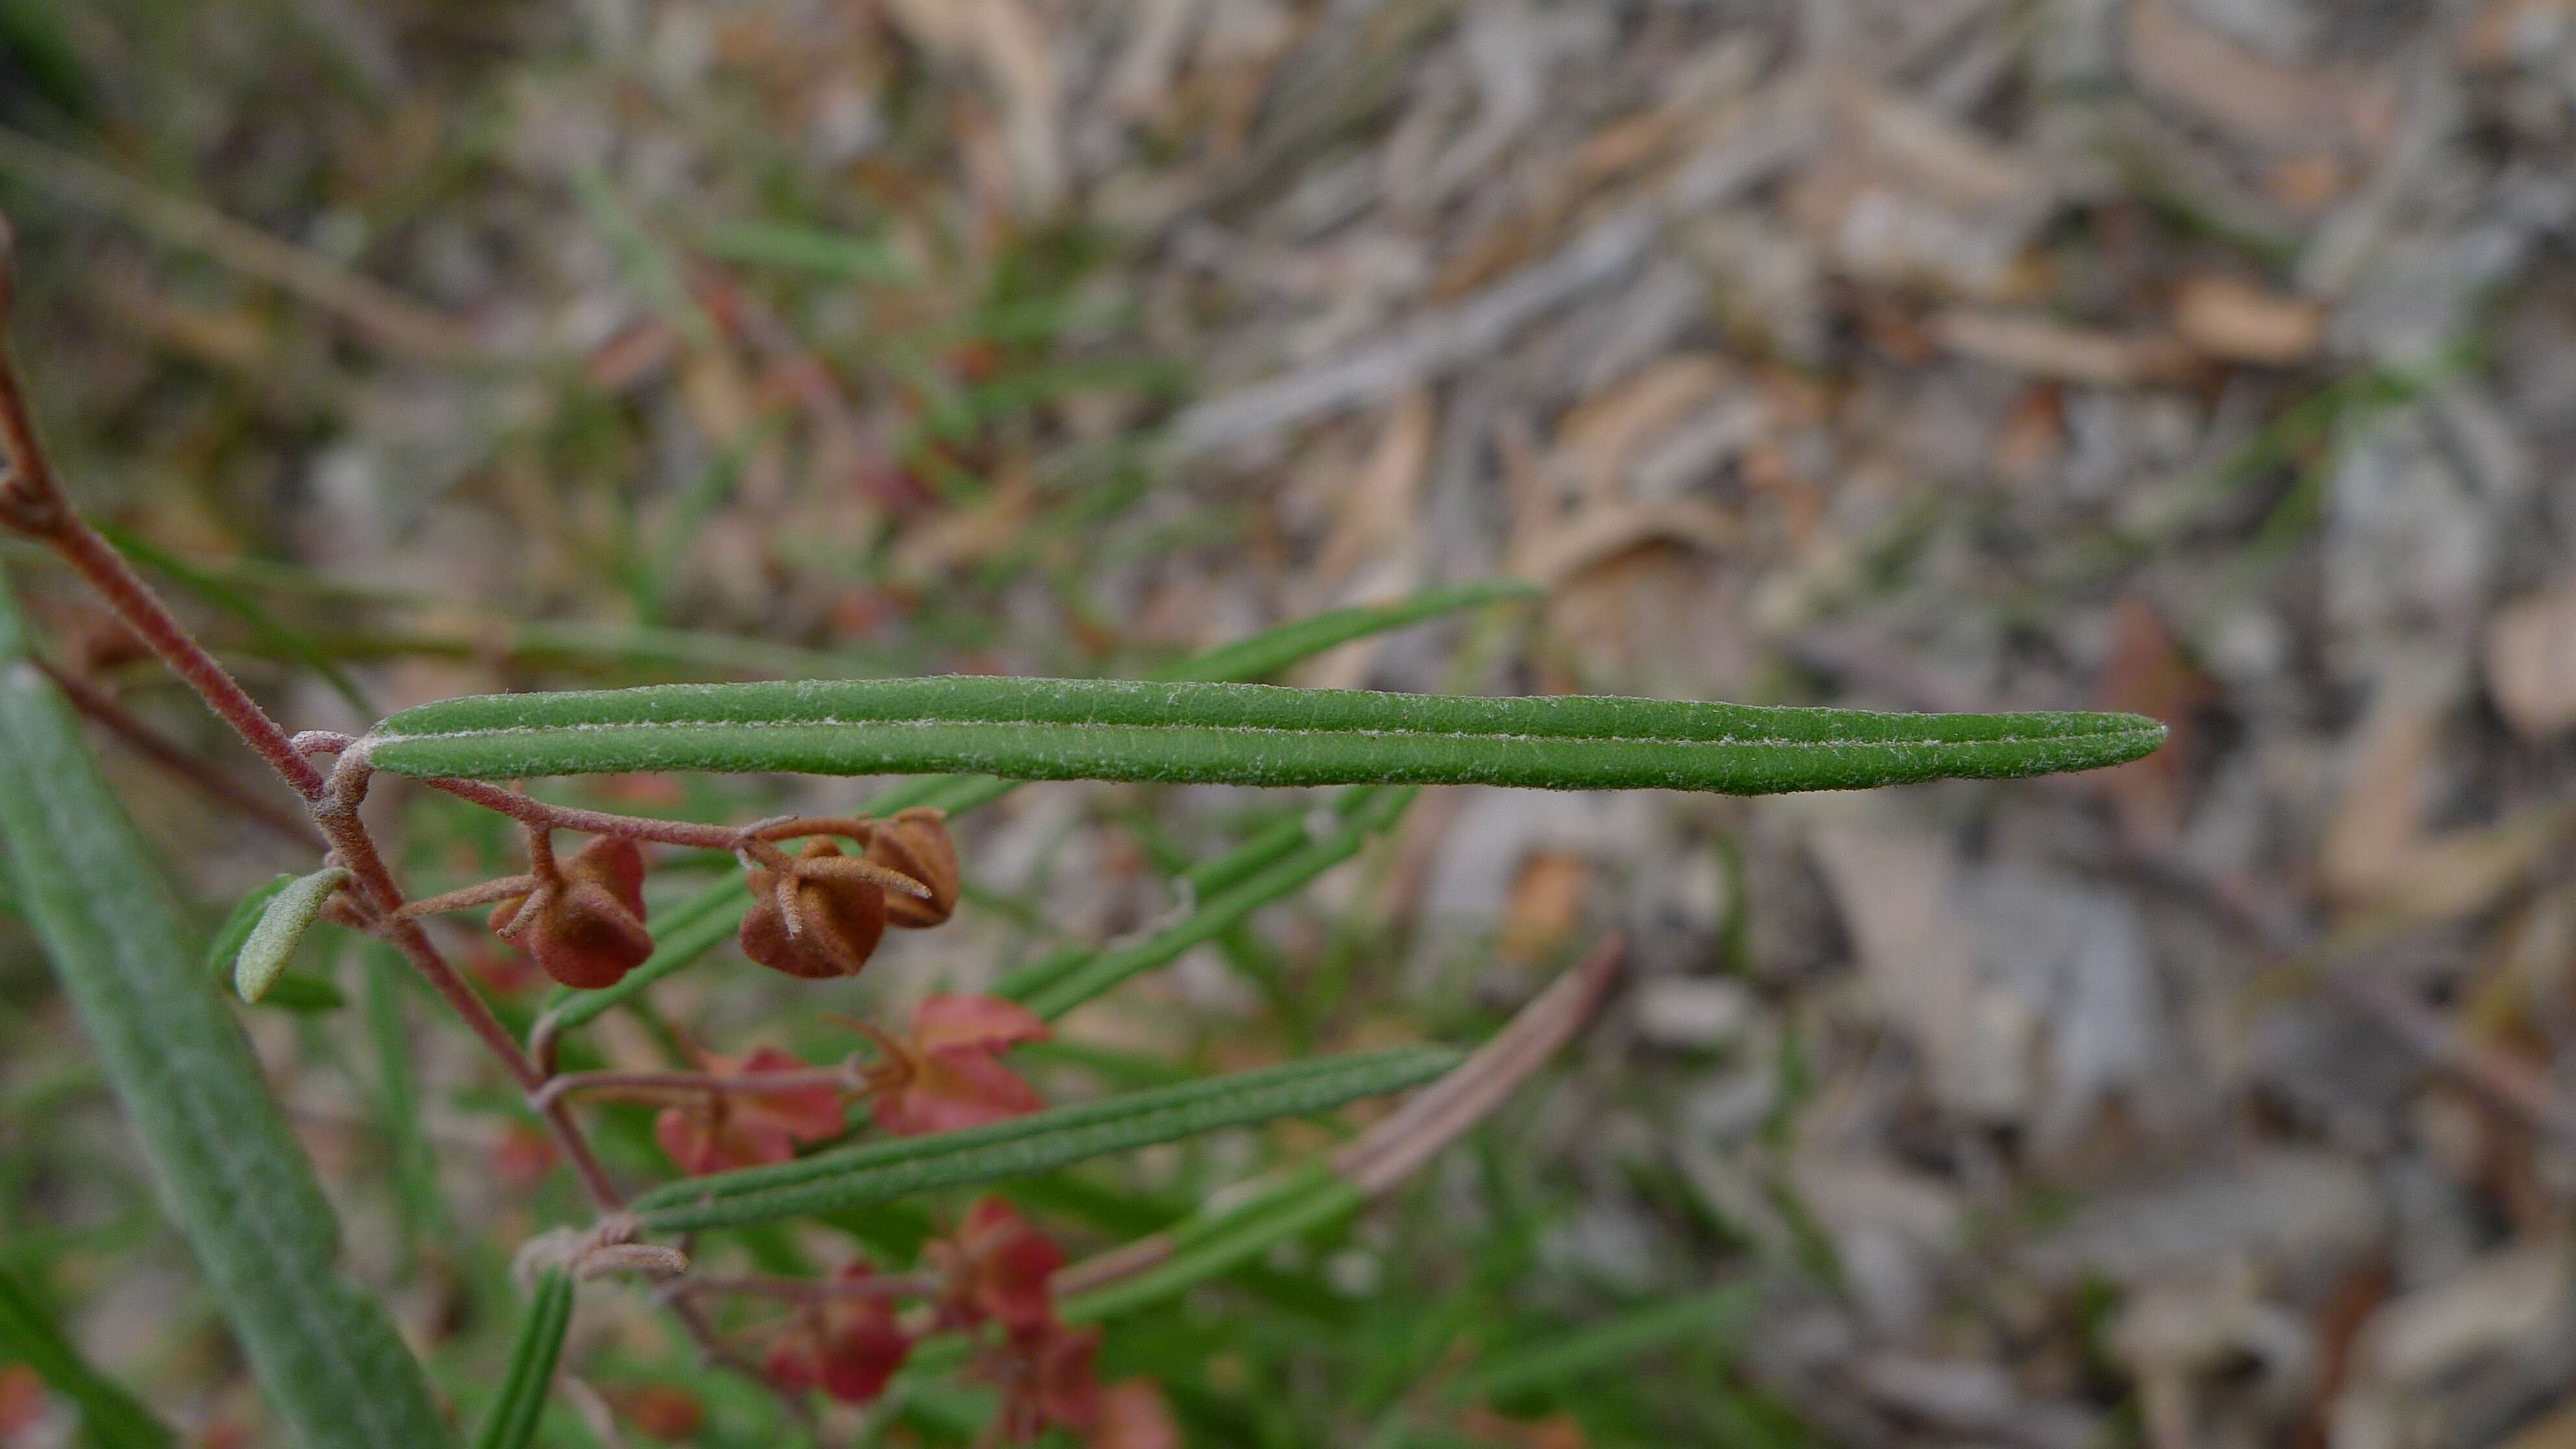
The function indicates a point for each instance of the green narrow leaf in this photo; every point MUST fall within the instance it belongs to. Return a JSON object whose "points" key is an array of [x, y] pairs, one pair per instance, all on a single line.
{"points": [[231, 1175], [702, 922], [511, 1421], [804, 248], [1214, 1246], [1029, 1145], [1266, 653], [415, 1168], [283, 920], [1233, 734], [1072, 982], [1717, 1313], [111, 1416], [1253, 657]]}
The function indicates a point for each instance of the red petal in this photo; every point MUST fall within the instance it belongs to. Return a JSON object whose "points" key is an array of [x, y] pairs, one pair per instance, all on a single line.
{"points": [[803, 1114], [1134, 1416], [688, 1140], [954, 1090], [862, 1354], [791, 1363], [1065, 1389], [948, 1020]]}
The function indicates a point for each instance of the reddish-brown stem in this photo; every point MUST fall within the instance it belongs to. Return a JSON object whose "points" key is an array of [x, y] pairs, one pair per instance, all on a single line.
{"points": [[337, 814], [107, 572], [466, 898], [32, 503], [692, 1084], [141, 738], [529, 810]]}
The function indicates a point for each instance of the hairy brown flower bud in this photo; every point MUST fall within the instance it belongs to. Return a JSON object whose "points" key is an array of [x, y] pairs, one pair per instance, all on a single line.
{"points": [[916, 842], [838, 920], [585, 929]]}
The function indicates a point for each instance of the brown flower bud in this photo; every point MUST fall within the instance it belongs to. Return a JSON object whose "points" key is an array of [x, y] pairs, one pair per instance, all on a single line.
{"points": [[916, 843], [838, 920], [585, 929]]}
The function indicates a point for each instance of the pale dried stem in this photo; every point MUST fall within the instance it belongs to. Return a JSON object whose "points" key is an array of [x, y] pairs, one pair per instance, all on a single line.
{"points": [[808, 1290], [656, 1085], [1435, 1117], [1442, 1112]]}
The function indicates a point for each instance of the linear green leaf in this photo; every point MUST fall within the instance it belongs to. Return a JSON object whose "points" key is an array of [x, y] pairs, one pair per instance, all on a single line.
{"points": [[1253, 657], [1074, 982], [692, 928], [1235, 734], [111, 1416], [231, 1174], [1714, 1313], [283, 920], [1203, 882], [1207, 1248], [1029, 1145], [511, 1421], [1259, 655]]}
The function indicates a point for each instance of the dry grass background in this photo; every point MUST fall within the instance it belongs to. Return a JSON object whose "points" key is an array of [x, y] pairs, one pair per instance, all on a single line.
{"points": [[2209, 358]]}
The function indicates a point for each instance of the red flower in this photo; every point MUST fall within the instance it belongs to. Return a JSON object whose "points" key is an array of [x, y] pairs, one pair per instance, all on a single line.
{"points": [[22, 1399], [585, 926], [849, 1348], [838, 919], [996, 1269], [664, 1411], [745, 1129], [522, 1157], [945, 1075], [1134, 1416], [1046, 1381]]}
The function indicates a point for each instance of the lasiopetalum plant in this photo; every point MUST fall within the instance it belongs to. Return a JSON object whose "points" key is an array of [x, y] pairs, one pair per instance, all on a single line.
{"points": [[765, 1136]]}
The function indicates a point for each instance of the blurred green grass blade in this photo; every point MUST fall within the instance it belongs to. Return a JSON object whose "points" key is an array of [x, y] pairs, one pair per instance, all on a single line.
{"points": [[1233, 734], [1274, 841], [1250, 658], [1213, 1248], [803, 248], [1261, 655], [511, 1420], [110, 1417], [288, 913], [274, 638], [1077, 982], [415, 1168], [230, 1173], [1717, 1313], [1029, 1145]]}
